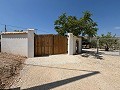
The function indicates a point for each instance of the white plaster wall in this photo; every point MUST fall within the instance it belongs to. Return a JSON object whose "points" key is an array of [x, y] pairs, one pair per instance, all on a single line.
{"points": [[80, 45], [18, 44], [14, 44], [72, 44], [31, 43]]}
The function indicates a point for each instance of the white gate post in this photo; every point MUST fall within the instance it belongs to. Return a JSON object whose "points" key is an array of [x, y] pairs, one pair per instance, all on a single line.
{"points": [[70, 44], [30, 43], [80, 44]]}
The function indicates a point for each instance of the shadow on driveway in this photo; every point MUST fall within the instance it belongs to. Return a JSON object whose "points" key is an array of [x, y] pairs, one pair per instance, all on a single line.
{"points": [[55, 84]]}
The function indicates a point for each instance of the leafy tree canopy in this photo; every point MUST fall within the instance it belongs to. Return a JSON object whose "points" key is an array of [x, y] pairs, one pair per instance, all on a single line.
{"points": [[71, 24]]}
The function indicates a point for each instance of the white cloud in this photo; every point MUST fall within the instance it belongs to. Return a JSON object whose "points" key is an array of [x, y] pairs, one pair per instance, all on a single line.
{"points": [[117, 28]]}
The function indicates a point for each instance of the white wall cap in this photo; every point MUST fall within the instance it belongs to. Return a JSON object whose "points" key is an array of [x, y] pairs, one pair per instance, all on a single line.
{"points": [[30, 29]]}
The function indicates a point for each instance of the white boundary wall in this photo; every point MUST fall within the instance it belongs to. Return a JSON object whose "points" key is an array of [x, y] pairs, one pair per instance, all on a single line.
{"points": [[18, 43], [72, 44]]}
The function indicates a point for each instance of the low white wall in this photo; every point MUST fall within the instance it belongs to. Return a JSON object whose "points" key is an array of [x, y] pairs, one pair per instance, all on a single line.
{"points": [[19, 43], [72, 44]]}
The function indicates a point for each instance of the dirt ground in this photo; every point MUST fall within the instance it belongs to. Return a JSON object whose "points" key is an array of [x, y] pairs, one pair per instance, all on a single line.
{"points": [[64, 72], [10, 66]]}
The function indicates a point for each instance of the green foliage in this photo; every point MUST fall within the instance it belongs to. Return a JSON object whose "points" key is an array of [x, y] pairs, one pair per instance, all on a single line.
{"points": [[93, 43], [89, 26], [71, 24], [67, 24], [108, 40]]}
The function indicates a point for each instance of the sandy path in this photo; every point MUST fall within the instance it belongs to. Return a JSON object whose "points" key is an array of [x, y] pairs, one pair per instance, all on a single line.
{"points": [[63, 72]]}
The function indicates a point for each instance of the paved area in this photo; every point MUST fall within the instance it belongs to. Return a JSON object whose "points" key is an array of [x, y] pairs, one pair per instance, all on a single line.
{"points": [[63, 72], [114, 52]]}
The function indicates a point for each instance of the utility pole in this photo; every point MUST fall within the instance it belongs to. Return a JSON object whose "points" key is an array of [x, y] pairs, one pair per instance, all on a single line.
{"points": [[5, 29]]}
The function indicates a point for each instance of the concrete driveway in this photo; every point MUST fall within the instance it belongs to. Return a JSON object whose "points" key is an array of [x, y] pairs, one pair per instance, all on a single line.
{"points": [[63, 72]]}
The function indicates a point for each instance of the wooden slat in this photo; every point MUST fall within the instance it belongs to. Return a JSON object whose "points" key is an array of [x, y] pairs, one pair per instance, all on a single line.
{"points": [[50, 44]]}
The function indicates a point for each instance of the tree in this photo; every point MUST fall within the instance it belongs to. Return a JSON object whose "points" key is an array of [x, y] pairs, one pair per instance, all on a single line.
{"points": [[89, 26], [108, 41], [67, 24], [71, 24]]}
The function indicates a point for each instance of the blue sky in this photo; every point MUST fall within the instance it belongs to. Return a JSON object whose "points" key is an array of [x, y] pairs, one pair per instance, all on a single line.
{"points": [[41, 14]]}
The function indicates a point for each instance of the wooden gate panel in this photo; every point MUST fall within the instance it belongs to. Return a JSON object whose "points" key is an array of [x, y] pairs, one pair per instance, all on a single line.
{"points": [[42, 46], [39, 45], [50, 44], [60, 44], [55, 44], [47, 44]]}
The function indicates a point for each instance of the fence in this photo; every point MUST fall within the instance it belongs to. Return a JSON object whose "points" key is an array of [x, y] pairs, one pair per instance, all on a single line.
{"points": [[50, 44]]}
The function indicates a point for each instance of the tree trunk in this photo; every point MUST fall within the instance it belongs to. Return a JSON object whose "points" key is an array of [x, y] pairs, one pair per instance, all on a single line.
{"points": [[106, 48]]}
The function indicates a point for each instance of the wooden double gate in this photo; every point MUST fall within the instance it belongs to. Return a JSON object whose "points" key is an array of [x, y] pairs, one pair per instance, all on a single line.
{"points": [[50, 44]]}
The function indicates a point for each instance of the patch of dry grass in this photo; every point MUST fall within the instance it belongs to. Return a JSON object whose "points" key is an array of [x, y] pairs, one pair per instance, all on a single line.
{"points": [[10, 66]]}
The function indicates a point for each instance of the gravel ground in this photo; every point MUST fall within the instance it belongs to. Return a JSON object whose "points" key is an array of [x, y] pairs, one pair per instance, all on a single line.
{"points": [[63, 72], [114, 52], [10, 66]]}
